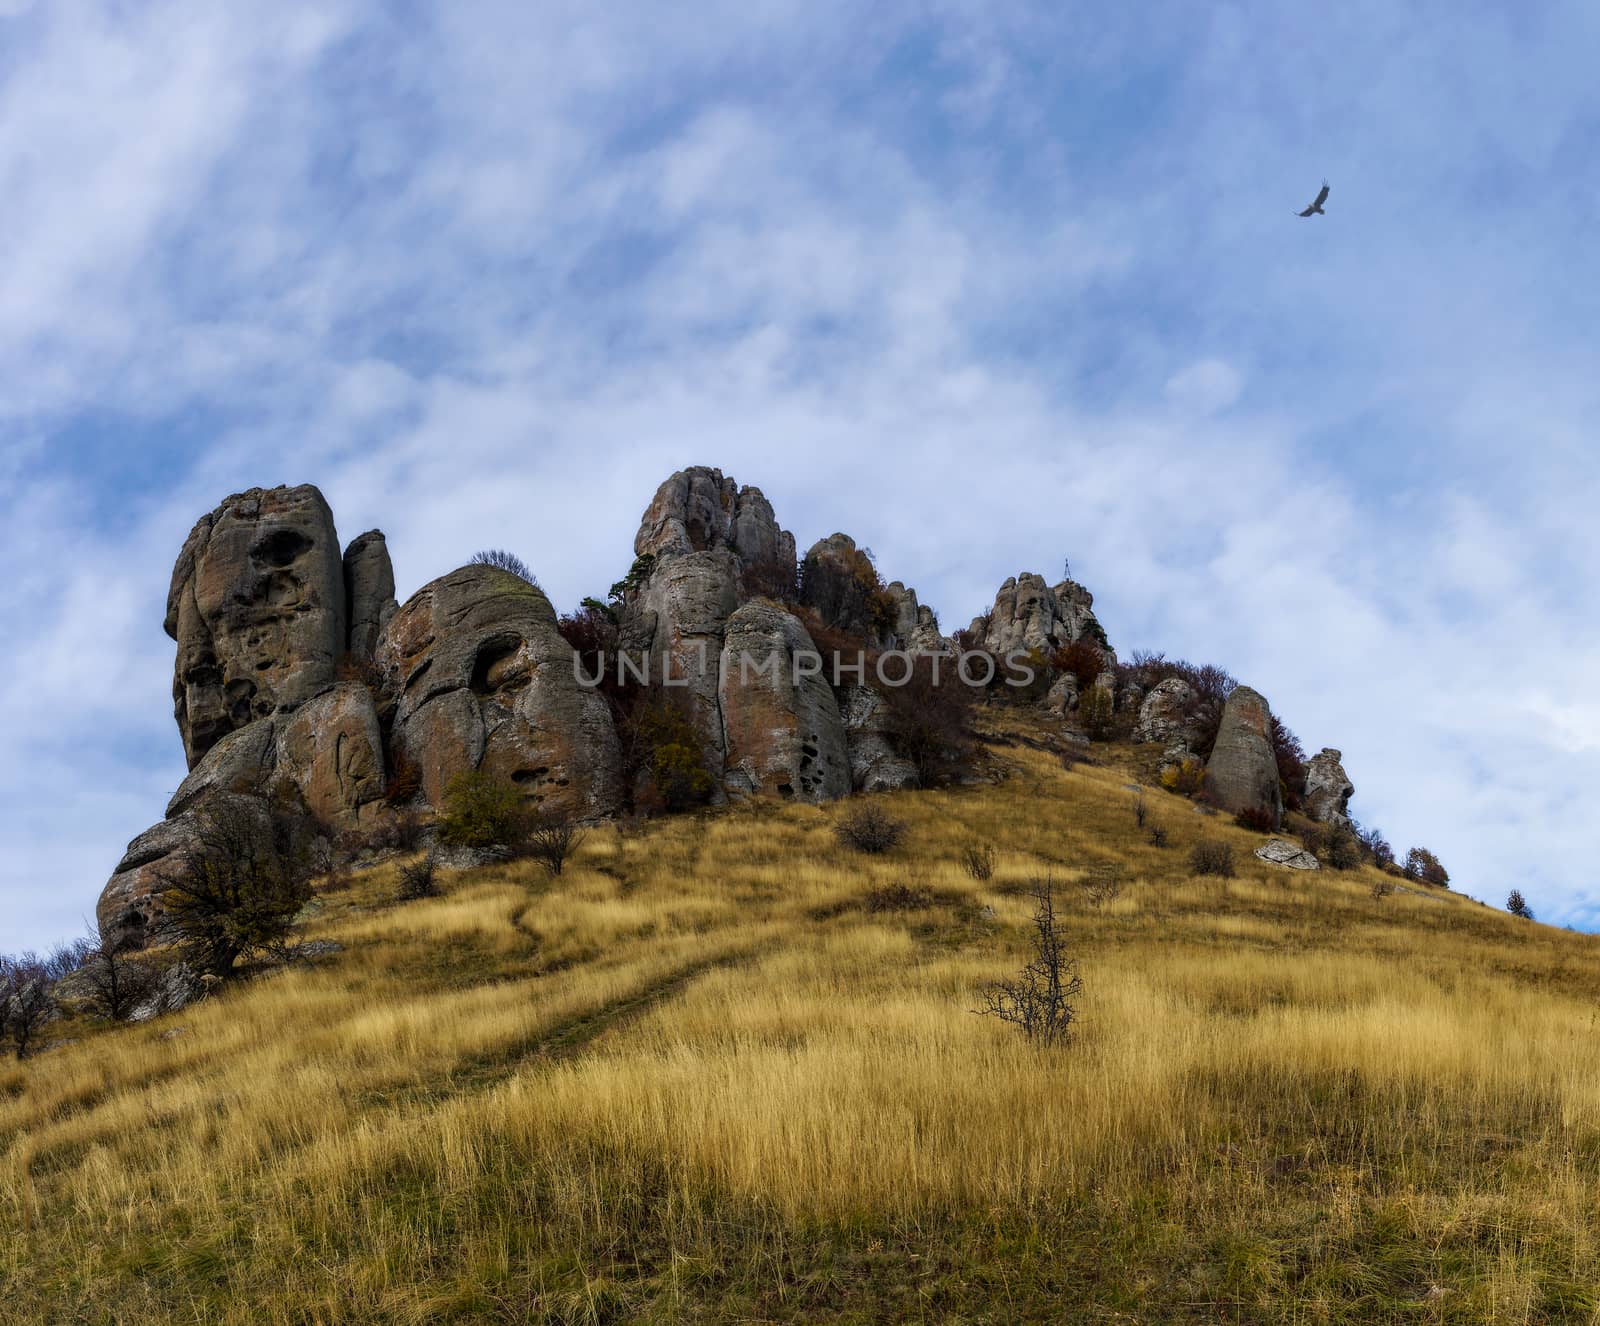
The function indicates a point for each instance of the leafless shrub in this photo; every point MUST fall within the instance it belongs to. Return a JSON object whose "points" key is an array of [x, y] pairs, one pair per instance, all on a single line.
{"points": [[551, 840], [1381, 889], [977, 859], [114, 981], [1104, 883], [899, 898], [1039, 999], [506, 561], [1212, 858], [1158, 836], [235, 890], [871, 829], [419, 879], [1140, 810]]}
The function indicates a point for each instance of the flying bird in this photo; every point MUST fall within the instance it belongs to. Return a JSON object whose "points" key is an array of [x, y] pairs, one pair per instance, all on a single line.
{"points": [[1316, 208]]}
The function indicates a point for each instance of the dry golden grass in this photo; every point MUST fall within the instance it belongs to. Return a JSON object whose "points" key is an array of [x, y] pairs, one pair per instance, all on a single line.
{"points": [[697, 1079]]}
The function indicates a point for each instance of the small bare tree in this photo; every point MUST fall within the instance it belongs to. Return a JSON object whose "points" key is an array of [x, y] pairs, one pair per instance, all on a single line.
{"points": [[237, 887], [113, 980], [551, 840], [1517, 905], [1040, 999], [27, 999], [1140, 810]]}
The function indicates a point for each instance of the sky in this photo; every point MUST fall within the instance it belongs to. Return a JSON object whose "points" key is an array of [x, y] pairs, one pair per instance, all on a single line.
{"points": [[986, 286]]}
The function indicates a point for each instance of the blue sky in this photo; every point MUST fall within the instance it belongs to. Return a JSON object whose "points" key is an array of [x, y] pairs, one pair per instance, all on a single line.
{"points": [[985, 286]]}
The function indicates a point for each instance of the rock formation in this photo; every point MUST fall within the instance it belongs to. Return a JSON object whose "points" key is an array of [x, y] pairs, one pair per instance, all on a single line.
{"points": [[257, 606], [1328, 788], [483, 679], [369, 591], [783, 735], [1242, 774], [1161, 713], [298, 675], [1030, 615]]}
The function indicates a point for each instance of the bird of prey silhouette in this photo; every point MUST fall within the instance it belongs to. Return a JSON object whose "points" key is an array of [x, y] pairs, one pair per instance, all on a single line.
{"points": [[1316, 208]]}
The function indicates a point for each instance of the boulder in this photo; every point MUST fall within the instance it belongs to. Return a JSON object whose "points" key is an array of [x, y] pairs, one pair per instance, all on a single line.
{"points": [[483, 679], [1328, 788], [1161, 713], [1282, 852], [1242, 774], [257, 607], [874, 766], [783, 735], [369, 591], [1062, 696]]}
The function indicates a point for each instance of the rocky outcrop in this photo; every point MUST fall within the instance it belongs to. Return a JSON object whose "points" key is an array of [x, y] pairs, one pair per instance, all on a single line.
{"points": [[1282, 852], [483, 679], [874, 765], [1030, 615], [369, 591], [675, 627], [783, 735], [1162, 713], [257, 606], [839, 583], [699, 509], [1242, 774], [331, 748], [915, 626], [1328, 788], [130, 912]]}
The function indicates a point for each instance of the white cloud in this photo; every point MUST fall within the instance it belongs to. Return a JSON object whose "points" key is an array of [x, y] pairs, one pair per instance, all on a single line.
{"points": [[1207, 386], [489, 280]]}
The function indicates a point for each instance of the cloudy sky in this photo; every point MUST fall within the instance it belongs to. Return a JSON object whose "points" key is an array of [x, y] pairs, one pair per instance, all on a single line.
{"points": [[986, 286]]}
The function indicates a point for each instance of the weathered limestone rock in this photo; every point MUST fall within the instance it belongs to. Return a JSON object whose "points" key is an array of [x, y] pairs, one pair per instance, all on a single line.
{"points": [[1242, 773], [332, 748], [1281, 852], [129, 912], [1030, 615], [874, 766], [257, 606], [1328, 788], [243, 761], [839, 582], [369, 591], [679, 619], [782, 736], [1161, 712], [699, 509], [484, 679], [916, 626], [1062, 696]]}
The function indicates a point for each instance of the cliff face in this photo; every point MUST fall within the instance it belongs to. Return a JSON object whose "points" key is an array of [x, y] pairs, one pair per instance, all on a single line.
{"points": [[297, 673]]}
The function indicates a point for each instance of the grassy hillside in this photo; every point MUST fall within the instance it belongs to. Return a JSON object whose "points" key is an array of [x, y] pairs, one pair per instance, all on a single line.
{"points": [[698, 1078]]}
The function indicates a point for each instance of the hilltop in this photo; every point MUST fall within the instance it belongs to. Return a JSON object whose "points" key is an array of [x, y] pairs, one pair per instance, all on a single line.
{"points": [[724, 1068]]}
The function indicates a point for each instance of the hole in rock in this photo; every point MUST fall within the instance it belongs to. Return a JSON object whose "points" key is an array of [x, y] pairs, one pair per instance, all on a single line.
{"points": [[280, 547]]}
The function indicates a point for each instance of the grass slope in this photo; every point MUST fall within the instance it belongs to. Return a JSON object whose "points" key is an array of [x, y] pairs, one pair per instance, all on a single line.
{"points": [[697, 1079]]}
